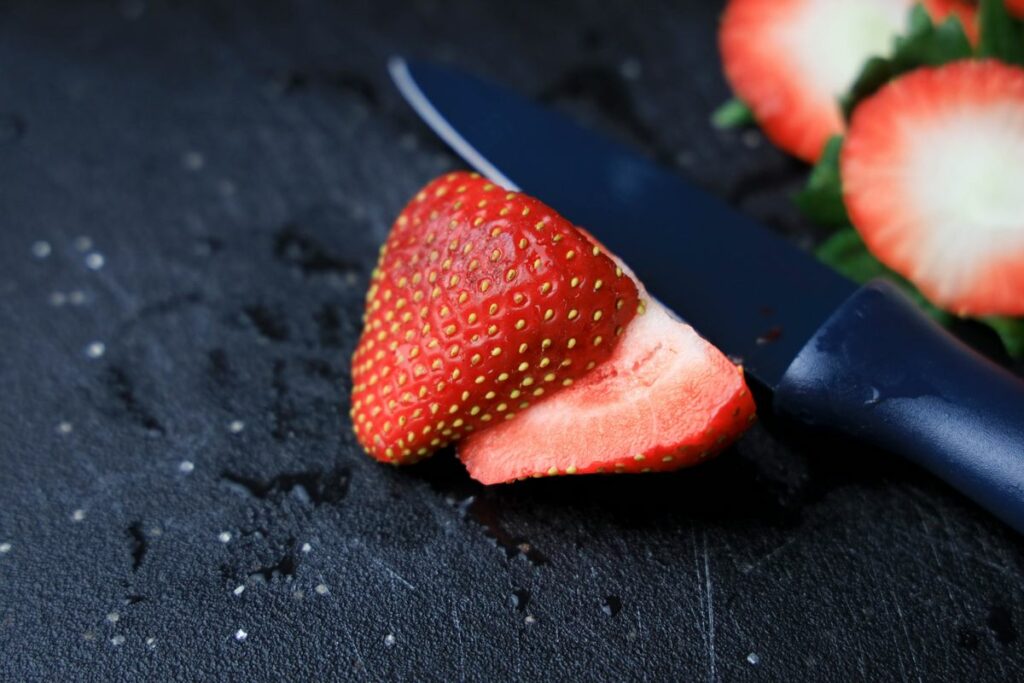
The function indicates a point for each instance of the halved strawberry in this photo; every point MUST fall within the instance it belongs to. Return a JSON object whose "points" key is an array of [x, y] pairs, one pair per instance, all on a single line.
{"points": [[666, 399], [483, 301], [1016, 7], [933, 179], [791, 60]]}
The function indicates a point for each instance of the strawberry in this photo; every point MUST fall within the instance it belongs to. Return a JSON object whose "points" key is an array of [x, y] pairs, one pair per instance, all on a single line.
{"points": [[791, 60], [665, 399], [483, 301], [934, 183], [1016, 7]]}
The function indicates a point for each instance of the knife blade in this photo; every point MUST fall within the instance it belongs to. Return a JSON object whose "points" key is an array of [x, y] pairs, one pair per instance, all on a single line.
{"points": [[862, 361], [759, 303]]}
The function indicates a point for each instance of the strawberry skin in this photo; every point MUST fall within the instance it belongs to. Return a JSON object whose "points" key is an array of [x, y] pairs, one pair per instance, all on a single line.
{"points": [[483, 301], [791, 60], [1016, 7], [934, 183], [665, 399]]}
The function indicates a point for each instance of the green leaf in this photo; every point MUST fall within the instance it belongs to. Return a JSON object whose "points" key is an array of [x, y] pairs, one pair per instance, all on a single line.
{"points": [[1002, 36], [846, 252], [822, 199], [1011, 331], [732, 114], [925, 44]]}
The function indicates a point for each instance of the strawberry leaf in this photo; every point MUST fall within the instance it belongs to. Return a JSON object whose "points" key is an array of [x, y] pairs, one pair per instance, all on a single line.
{"points": [[1002, 36], [1011, 331], [925, 44], [822, 199], [733, 114]]}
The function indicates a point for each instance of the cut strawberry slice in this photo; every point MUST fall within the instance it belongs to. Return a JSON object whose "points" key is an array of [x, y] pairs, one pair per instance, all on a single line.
{"points": [[666, 399], [483, 301], [791, 60], [933, 180]]}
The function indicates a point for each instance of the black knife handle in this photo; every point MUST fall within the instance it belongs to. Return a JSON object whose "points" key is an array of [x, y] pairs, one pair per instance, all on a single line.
{"points": [[882, 371]]}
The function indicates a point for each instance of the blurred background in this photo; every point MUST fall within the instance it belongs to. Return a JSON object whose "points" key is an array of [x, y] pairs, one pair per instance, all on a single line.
{"points": [[192, 195]]}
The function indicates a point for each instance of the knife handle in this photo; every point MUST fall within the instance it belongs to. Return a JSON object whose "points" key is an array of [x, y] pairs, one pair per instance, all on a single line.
{"points": [[882, 371]]}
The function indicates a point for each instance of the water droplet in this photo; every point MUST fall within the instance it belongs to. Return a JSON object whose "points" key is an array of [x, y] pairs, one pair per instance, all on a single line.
{"points": [[193, 160], [875, 396], [239, 590], [611, 605], [64, 428], [753, 658], [306, 547], [117, 640], [530, 620], [390, 640], [241, 635], [83, 243], [41, 249], [95, 261], [78, 515], [95, 349], [321, 589], [236, 426], [519, 599], [5, 547], [151, 643], [224, 537], [186, 466]]}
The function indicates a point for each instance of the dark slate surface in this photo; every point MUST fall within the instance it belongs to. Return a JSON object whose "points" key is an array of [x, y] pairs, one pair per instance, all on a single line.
{"points": [[212, 181]]}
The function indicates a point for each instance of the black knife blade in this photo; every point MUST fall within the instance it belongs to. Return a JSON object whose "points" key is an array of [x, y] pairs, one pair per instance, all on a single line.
{"points": [[748, 291]]}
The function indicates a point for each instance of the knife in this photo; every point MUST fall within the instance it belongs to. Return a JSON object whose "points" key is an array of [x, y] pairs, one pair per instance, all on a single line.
{"points": [[863, 361]]}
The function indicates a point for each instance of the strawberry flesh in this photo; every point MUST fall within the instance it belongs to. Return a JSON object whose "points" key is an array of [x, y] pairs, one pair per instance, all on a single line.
{"points": [[483, 301], [666, 399]]}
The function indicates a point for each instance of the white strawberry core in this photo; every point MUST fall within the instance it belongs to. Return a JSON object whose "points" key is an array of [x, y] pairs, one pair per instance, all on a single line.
{"points": [[964, 177], [831, 39]]}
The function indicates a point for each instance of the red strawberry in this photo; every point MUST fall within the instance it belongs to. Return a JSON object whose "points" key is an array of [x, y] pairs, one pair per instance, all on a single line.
{"points": [[933, 180], [1016, 7], [791, 60], [665, 399], [483, 301]]}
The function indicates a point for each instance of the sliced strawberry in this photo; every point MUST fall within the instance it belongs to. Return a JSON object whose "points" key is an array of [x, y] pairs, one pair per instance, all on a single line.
{"points": [[483, 301], [791, 60], [933, 180], [666, 399], [1016, 7]]}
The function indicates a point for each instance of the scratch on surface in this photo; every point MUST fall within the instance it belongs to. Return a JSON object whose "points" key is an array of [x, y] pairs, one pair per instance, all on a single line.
{"points": [[389, 570], [769, 557], [906, 636], [710, 602], [462, 650]]}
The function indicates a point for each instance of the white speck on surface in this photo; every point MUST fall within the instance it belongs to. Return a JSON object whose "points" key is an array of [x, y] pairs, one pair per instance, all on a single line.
{"points": [[83, 243], [321, 589], [241, 635], [239, 590], [193, 160], [41, 249], [151, 643], [631, 69], [117, 640], [95, 350], [64, 427], [58, 299], [89, 635], [95, 260], [113, 617], [390, 640], [78, 515], [299, 594], [186, 466], [753, 659], [77, 297], [5, 547], [751, 139], [306, 547], [236, 426], [155, 531], [530, 620], [224, 537]]}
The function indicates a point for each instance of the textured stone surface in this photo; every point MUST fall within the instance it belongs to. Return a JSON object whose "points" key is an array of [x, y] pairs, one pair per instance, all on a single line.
{"points": [[174, 428]]}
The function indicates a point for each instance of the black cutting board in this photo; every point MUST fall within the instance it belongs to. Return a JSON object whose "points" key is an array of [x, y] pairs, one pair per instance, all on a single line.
{"points": [[201, 187]]}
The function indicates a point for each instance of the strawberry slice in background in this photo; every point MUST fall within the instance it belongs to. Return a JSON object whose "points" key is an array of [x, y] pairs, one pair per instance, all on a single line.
{"points": [[483, 302], [933, 180], [791, 60], [487, 307], [1016, 7]]}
